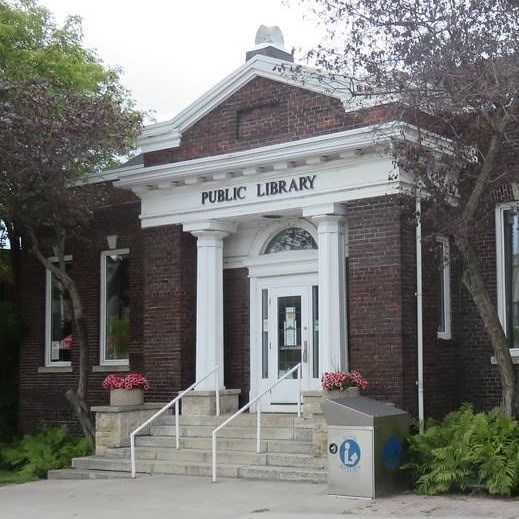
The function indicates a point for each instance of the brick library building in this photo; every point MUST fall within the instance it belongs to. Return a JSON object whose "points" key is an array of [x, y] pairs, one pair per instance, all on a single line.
{"points": [[260, 228]]}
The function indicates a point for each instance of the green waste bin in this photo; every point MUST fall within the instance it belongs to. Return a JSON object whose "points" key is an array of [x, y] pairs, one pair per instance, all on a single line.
{"points": [[365, 447]]}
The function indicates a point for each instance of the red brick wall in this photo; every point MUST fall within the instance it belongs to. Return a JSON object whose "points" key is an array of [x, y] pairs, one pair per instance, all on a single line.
{"points": [[382, 309], [169, 310], [375, 296], [480, 379], [236, 295], [442, 383], [262, 113], [42, 398]]}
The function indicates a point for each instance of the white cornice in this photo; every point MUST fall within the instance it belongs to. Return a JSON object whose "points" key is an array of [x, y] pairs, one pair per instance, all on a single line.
{"points": [[341, 145], [168, 134], [239, 163], [249, 162]]}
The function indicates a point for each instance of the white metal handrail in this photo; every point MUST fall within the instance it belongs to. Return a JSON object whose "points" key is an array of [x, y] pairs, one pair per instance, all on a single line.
{"points": [[175, 402], [298, 368]]}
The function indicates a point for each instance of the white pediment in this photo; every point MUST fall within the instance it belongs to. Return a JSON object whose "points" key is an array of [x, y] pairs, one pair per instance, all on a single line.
{"points": [[168, 134]]}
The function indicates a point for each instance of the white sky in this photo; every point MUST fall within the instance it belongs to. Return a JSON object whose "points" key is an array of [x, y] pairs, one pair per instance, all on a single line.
{"points": [[172, 51]]}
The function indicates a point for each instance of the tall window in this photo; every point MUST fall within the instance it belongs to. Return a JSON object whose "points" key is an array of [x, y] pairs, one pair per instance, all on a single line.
{"points": [[511, 275], [444, 289], [58, 321], [115, 306]]}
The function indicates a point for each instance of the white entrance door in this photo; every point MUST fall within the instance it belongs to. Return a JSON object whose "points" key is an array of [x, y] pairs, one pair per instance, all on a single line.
{"points": [[289, 335]]}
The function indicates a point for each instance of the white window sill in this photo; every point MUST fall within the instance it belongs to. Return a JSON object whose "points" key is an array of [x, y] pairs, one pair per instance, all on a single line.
{"points": [[55, 369], [515, 357], [111, 368]]}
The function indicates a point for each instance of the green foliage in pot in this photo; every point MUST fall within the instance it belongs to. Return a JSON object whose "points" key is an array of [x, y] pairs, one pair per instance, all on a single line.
{"points": [[467, 451]]}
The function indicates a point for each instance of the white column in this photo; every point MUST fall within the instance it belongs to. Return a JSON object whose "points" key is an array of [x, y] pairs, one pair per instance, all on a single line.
{"points": [[209, 301], [209, 305], [333, 346]]}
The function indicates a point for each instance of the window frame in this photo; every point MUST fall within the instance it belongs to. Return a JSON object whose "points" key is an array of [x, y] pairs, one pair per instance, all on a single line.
{"points": [[446, 333], [500, 266], [103, 361], [48, 317]]}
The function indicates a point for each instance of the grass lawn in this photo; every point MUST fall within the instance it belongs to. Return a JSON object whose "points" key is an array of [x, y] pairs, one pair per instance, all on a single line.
{"points": [[8, 476]]}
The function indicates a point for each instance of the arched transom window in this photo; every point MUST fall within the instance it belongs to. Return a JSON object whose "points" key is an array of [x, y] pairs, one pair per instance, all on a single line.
{"points": [[293, 238]]}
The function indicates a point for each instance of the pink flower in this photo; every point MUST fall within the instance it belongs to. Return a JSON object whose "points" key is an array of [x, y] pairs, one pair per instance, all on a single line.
{"points": [[134, 380], [340, 380], [131, 381], [113, 381]]}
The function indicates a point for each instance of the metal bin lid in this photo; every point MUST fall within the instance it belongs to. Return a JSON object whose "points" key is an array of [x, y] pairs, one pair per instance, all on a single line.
{"points": [[357, 411]]}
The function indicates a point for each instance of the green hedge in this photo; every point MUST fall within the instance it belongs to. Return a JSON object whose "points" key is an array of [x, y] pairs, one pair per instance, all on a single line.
{"points": [[467, 451]]}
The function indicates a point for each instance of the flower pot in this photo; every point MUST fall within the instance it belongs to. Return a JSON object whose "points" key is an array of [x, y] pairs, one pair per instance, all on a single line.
{"points": [[345, 393], [122, 396]]}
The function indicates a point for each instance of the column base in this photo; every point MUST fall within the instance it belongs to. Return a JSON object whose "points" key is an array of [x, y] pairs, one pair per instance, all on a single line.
{"points": [[203, 402]]}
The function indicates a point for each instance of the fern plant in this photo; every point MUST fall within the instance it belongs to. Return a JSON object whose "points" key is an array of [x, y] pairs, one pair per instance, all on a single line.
{"points": [[51, 448], [466, 451]]}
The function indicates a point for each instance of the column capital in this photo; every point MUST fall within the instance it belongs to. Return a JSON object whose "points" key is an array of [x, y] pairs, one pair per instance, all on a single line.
{"points": [[329, 222], [208, 226], [332, 209]]}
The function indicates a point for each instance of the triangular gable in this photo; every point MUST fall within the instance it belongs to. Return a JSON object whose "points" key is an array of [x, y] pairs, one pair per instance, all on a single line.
{"points": [[168, 134]]}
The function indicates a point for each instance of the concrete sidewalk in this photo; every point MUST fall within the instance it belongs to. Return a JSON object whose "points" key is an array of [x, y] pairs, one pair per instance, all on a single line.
{"points": [[157, 496]]}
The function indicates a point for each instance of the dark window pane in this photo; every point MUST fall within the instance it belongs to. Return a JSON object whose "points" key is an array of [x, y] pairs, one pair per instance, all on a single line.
{"points": [[441, 287], [117, 307], [291, 239], [511, 243], [61, 323]]}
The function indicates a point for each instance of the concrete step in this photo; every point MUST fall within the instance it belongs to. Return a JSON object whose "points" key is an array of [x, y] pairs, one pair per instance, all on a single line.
{"points": [[232, 444], [72, 473], [226, 457], [188, 456], [245, 432], [153, 466], [283, 474], [243, 420]]}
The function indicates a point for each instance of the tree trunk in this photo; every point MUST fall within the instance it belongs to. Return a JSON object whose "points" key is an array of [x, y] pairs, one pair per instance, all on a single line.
{"points": [[473, 281], [77, 399]]}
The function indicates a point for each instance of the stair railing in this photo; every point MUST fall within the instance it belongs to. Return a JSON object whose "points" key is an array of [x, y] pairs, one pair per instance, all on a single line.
{"points": [[175, 402], [297, 368]]}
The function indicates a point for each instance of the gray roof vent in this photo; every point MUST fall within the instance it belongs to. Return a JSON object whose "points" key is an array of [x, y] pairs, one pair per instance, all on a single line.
{"points": [[270, 42]]}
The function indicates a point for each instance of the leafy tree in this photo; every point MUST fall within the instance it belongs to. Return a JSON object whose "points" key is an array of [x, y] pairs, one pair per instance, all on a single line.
{"points": [[64, 116], [450, 67]]}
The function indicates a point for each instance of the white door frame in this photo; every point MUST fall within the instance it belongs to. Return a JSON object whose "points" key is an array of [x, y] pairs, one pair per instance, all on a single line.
{"points": [[257, 284]]}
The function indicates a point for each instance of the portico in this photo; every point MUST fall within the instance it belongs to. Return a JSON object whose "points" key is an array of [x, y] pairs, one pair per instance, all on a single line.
{"points": [[237, 206]]}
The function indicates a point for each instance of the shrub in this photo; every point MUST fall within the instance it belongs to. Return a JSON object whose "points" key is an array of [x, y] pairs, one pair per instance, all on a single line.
{"points": [[51, 448], [467, 451]]}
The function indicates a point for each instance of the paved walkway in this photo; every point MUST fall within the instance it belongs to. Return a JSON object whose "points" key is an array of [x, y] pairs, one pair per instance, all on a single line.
{"points": [[180, 497]]}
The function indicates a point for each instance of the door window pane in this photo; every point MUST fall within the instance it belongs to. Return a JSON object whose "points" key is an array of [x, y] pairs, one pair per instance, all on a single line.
{"points": [[315, 331], [264, 334], [289, 333]]}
